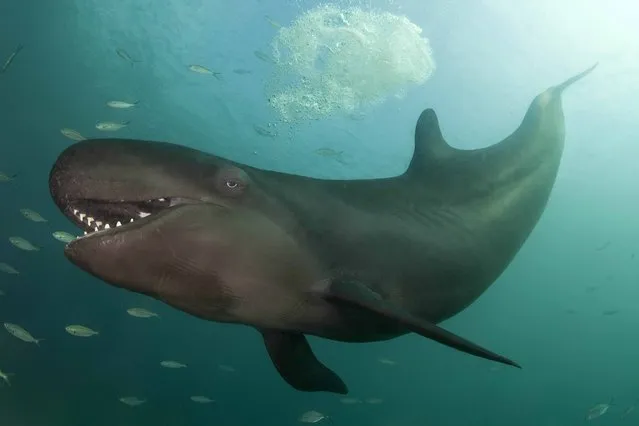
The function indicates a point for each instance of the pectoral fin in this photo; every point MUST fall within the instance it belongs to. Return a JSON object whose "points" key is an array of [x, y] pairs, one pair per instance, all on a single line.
{"points": [[359, 295], [294, 360]]}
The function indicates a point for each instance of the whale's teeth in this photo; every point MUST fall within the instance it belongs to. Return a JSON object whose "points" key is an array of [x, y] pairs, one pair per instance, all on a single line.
{"points": [[89, 220], [86, 233], [98, 223], [162, 199], [75, 211], [97, 229], [81, 216], [107, 226], [131, 221], [144, 214], [118, 224]]}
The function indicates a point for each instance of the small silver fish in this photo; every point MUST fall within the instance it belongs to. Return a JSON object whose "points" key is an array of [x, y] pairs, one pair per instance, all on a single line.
{"points": [[203, 70], [10, 59], [132, 401], [74, 135], [141, 313], [628, 411], [598, 411], [386, 361], [201, 399], [80, 331], [264, 57], [226, 368], [5, 376], [125, 55], [264, 131], [2, 293], [312, 417], [121, 104], [328, 152], [357, 115], [23, 244], [64, 237], [273, 23], [7, 178], [20, 333], [374, 401], [242, 71], [32, 215], [8, 269], [331, 153], [350, 401], [172, 364], [110, 126]]}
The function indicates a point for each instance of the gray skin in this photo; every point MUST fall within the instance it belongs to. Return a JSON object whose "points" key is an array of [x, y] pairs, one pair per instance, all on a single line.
{"points": [[353, 261]]}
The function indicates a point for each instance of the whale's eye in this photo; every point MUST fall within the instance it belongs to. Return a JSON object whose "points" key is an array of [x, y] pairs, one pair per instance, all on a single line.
{"points": [[231, 181]]}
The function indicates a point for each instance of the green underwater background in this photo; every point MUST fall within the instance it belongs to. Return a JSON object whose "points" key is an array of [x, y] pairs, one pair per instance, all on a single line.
{"points": [[566, 309]]}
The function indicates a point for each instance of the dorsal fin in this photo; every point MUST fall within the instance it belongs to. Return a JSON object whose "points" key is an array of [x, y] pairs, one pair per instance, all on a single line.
{"points": [[430, 145], [432, 149]]}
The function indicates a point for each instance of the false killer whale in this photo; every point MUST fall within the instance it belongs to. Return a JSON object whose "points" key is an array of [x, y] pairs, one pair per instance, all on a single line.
{"points": [[347, 260]]}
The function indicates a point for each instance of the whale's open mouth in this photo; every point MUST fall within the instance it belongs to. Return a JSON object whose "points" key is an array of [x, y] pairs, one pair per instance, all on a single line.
{"points": [[99, 216]]}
